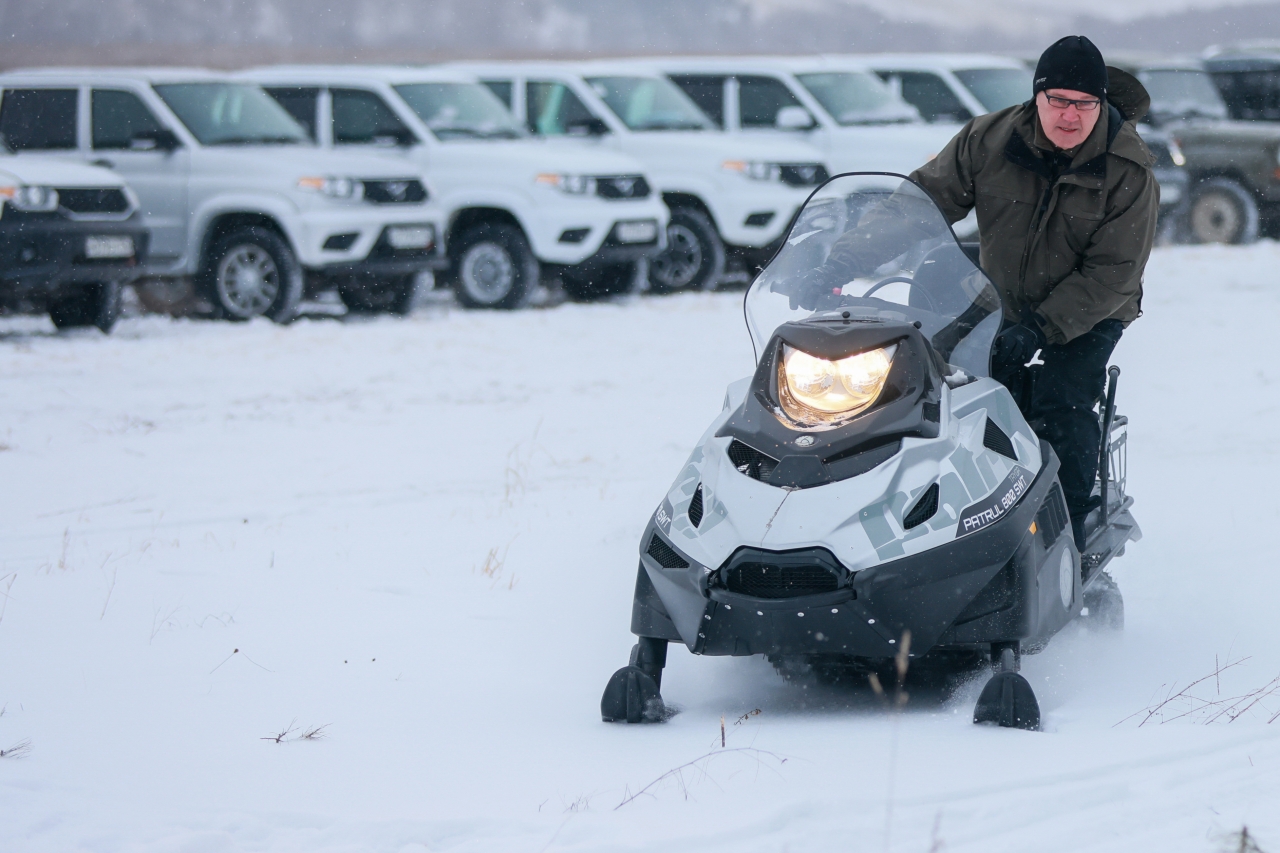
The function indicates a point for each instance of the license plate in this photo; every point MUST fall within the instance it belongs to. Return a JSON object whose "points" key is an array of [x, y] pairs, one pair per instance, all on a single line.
{"points": [[99, 247], [411, 237], [636, 232]]}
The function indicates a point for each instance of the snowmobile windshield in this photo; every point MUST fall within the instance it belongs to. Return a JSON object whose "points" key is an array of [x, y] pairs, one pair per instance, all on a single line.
{"points": [[872, 248]]}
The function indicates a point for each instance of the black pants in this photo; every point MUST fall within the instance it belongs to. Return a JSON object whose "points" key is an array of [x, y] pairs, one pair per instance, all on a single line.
{"points": [[1057, 399]]}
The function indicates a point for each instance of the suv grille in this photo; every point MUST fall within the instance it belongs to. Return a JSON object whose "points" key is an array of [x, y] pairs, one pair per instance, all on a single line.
{"points": [[407, 191], [750, 461], [622, 186], [804, 174], [85, 201]]}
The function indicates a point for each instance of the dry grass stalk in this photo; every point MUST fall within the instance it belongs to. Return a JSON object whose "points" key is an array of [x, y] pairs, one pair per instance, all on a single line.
{"points": [[699, 764], [1190, 703], [18, 750]]}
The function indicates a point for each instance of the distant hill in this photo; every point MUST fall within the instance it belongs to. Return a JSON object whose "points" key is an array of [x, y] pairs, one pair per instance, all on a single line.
{"points": [[237, 32]]}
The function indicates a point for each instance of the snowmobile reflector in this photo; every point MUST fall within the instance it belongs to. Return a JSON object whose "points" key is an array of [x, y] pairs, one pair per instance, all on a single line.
{"points": [[1033, 528]]}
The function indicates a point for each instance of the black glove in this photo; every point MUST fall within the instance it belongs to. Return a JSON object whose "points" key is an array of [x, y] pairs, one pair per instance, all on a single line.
{"points": [[1017, 344], [812, 291]]}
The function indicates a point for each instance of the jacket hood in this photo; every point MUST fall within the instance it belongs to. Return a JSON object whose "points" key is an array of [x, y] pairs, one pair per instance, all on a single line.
{"points": [[1126, 94]]}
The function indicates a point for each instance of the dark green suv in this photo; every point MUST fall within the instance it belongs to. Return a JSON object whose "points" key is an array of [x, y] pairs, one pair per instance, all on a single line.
{"points": [[1234, 166]]}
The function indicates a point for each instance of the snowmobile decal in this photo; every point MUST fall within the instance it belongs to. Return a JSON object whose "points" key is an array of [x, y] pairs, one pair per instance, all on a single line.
{"points": [[1004, 498]]}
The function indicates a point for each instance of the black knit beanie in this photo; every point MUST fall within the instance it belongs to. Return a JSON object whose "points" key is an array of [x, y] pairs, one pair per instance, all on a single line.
{"points": [[1072, 63]]}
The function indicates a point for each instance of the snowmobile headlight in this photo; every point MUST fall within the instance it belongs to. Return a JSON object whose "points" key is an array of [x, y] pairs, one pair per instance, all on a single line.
{"points": [[816, 391]]}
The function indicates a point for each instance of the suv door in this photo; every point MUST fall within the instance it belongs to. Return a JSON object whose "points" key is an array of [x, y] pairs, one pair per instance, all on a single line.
{"points": [[761, 98], [122, 137], [300, 102], [708, 92]]}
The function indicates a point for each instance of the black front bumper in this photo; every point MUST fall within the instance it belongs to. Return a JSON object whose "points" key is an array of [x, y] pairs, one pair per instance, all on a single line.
{"points": [[43, 255], [927, 594]]}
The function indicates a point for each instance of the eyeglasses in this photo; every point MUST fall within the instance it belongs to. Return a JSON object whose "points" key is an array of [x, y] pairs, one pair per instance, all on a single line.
{"points": [[1063, 103]]}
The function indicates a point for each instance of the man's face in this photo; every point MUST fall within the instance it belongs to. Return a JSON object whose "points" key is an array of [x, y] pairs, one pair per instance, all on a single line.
{"points": [[1067, 125]]}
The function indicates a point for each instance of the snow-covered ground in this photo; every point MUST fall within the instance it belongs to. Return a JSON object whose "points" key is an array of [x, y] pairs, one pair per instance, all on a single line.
{"points": [[422, 535]]}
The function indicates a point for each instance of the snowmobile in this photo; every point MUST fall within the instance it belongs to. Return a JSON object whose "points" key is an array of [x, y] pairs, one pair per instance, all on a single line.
{"points": [[871, 486]]}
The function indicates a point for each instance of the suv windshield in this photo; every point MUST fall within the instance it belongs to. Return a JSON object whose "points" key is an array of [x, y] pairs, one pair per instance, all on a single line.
{"points": [[853, 97], [996, 88], [231, 114], [867, 248], [460, 110], [1183, 93], [649, 103]]}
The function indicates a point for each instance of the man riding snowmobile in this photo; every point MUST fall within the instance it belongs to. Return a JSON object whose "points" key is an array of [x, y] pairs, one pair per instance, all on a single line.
{"points": [[1066, 204]]}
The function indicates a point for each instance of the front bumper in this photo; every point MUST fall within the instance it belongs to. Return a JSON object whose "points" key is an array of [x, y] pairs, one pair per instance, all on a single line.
{"points": [[758, 214], [924, 593], [356, 238], [572, 231], [42, 254]]}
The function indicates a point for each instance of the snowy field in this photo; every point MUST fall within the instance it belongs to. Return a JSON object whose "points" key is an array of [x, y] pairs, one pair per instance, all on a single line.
{"points": [[419, 537]]}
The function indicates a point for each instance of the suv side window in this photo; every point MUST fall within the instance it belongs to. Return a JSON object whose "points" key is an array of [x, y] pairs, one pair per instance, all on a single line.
{"points": [[553, 110], [501, 88], [119, 116], [705, 91], [38, 119], [931, 95], [760, 99], [298, 102], [360, 116]]}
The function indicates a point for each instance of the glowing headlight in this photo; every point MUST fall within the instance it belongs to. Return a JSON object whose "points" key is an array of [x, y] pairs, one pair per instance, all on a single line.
{"points": [[29, 198], [343, 188], [1175, 153], [815, 392], [570, 184], [756, 170]]}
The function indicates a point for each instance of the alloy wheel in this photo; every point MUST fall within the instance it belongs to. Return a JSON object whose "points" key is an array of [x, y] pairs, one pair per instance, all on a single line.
{"points": [[678, 266], [487, 273], [248, 280]]}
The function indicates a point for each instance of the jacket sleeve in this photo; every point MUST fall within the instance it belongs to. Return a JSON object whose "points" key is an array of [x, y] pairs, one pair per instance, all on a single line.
{"points": [[1111, 267], [948, 177]]}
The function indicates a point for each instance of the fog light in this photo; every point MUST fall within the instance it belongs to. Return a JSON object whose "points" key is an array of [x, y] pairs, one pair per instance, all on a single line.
{"points": [[108, 246], [638, 231], [411, 237]]}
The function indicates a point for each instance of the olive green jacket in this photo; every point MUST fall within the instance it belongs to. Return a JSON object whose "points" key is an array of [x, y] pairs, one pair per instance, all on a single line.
{"points": [[1073, 250]]}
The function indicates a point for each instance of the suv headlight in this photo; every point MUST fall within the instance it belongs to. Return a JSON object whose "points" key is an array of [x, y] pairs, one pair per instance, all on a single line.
{"points": [[756, 170], [29, 198], [568, 184], [814, 391], [1175, 153], [346, 189]]}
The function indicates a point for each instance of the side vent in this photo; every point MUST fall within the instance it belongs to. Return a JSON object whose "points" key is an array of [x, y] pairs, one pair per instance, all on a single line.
{"points": [[924, 509], [750, 461], [1052, 517], [665, 554], [695, 507], [996, 441]]}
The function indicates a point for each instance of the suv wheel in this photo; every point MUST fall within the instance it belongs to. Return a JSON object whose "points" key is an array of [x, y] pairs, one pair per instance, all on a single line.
{"points": [[694, 257], [368, 296], [96, 304], [493, 267], [252, 272], [1222, 211], [598, 283]]}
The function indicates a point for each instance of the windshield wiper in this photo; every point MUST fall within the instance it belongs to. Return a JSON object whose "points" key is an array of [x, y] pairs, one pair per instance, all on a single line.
{"points": [[258, 140]]}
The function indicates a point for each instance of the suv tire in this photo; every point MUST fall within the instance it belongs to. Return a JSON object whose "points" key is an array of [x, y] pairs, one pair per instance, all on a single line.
{"points": [[96, 304], [393, 295], [252, 272], [492, 267], [694, 257], [1222, 211], [600, 282]]}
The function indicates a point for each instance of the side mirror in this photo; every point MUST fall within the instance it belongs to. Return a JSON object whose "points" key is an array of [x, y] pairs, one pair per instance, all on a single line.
{"points": [[402, 137], [793, 118], [155, 140], [587, 127]]}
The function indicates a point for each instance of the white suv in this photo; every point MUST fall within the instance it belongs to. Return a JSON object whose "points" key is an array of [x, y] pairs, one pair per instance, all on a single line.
{"points": [[517, 208], [728, 195], [234, 195], [848, 114], [951, 88]]}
